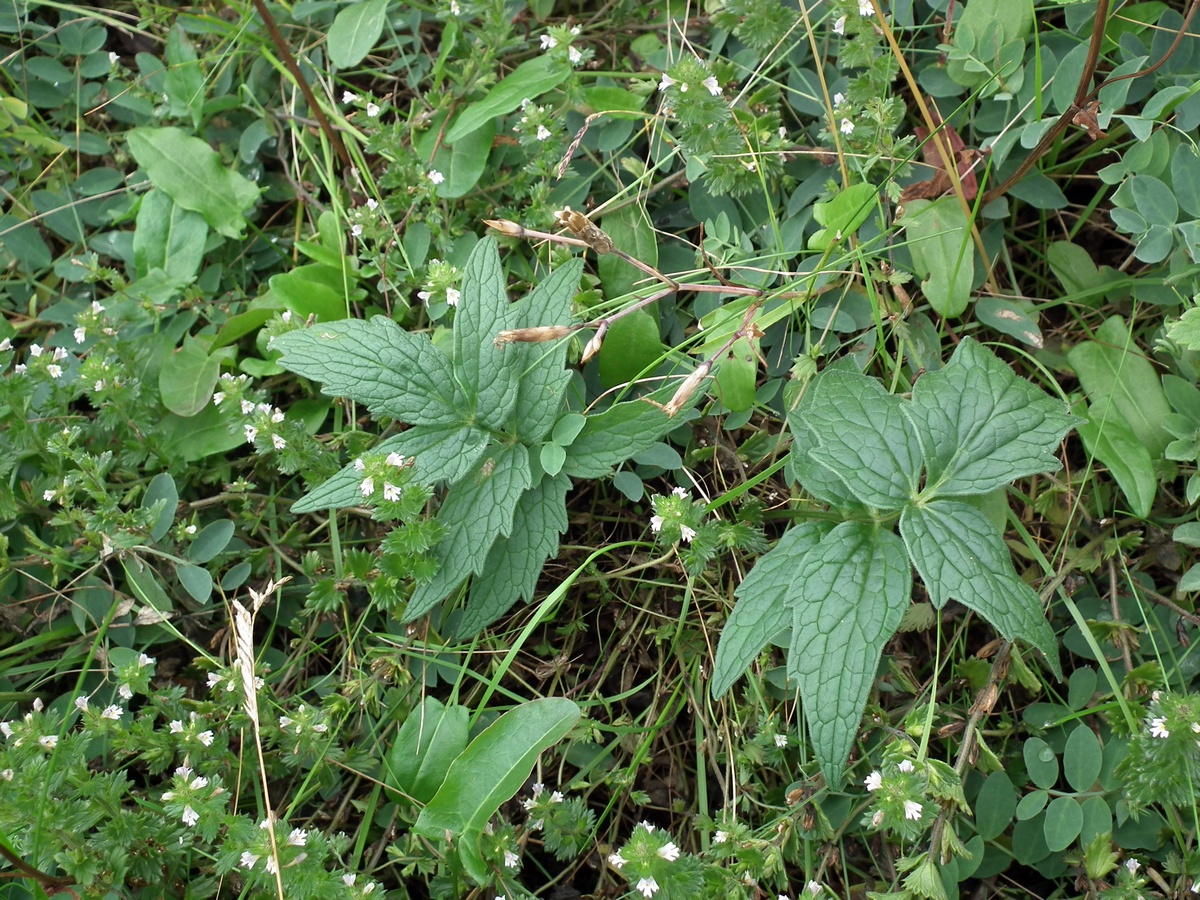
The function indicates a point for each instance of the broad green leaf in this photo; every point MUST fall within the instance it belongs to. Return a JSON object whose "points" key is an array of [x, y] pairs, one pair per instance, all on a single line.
{"points": [[631, 346], [861, 435], [843, 214], [981, 426], [1154, 200], [491, 770], [1040, 762], [212, 539], [190, 172], [440, 453], [530, 79], [196, 581], [995, 805], [1064, 821], [515, 562], [168, 237], [1009, 318], [316, 290], [763, 608], [187, 378], [552, 457], [161, 490], [145, 585], [939, 240], [630, 230], [613, 436], [394, 372], [428, 742], [183, 80], [1112, 369], [1185, 178], [1074, 267], [737, 376], [959, 554], [824, 484], [462, 162], [477, 510], [851, 593], [1082, 758], [1106, 437], [355, 31], [567, 428], [540, 373], [483, 312], [202, 435]]}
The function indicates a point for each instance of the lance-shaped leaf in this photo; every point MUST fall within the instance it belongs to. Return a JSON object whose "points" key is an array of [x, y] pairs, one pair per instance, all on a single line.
{"points": [[490, 771], [763, 607], [851, 593], [377, 363], [440, 453], [428, 742], [478, 509], [511, 570], [861, 435], [483, 373], [541, 377], [981, 426], [959, 554]]}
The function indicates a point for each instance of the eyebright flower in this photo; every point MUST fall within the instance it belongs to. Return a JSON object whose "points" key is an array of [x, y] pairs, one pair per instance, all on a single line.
{"points": [[543, 132], [720, 837], [616, 860], [1132, 865], [372, 110], [452, 296], [711, 83], [865, 8], [905, 765], [391, 493], [190, 816], [436, 177], [1158, 728], [348, 97], [874, 781], [298, 837], [248, 859], [548, 41], [511, 860], [574, 56], [912, 810], [666, 82], [839, 26], [48, 741], [668, 851], [781, 740], [839, 99], [847, 127], [648, 887]]}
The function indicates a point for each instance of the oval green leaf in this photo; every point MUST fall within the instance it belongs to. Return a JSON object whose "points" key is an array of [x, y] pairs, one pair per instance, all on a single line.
{"points": [[1082, 757], [531, 79], [354, 32], [1040, 762], [1064, 821]]}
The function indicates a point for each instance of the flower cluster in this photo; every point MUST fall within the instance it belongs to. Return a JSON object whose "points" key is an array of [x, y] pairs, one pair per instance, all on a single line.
{"points": [[372, 108], [440, 290], [133, 677], [537, 125], [676, 517], [898, 801], [651, 862], [198, 802], [567, 825], [690, 74], [558, 43], [42, 361], [1163, 763]]}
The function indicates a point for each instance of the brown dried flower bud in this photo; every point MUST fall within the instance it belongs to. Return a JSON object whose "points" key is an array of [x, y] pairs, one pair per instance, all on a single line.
{"points": [[505, 226], [593, 346], [533, 335], [688, 388]]}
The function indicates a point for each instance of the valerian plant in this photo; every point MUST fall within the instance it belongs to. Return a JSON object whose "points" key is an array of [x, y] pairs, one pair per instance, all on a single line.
{"points": [[877, 459], [487, 419]]}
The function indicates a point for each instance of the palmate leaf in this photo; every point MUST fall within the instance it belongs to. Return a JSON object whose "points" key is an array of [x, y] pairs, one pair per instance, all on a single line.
{"points": [[850, 593], [478, 509], [511, 570], [959, 554], [981, 426]]}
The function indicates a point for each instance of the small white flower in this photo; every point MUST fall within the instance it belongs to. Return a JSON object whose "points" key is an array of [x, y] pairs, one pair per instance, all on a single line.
{"points": [[251, 433], [556, 797], [359, 465], [814, 887], [576, 30], [391, 493], [176, 726], [248, 859], [548, 41], [1132, 865], [284, 722], [35, 350], [356, 231], [80, 334], [190, 816], [847, 127], [298, 837], [452, 296], [680, 492], [781, 741], [272, 865], [574, 56], [874, 781], [1158, 728], [113, 712], [616, 860], [206, 738], [687, 533], [865, 8], [372, 109], [6, 345], [81, 704], [436, 177], [683, 87], [905, 765], [711, 83], [372, 204], [839, 99], [349, 878], [126, 692], [720, 837], [511, 860], [348, 97], [198, 783], [666, 82], [656, 524], [669, 851], [278, 442], [54, 371], [395, 459], [648, 887], [7, 775], [543, 133], [455, 9], [48, 495], [145, 660], [367, 488], [839, 26], [213, 680], [912, 810], [247, 407]]}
